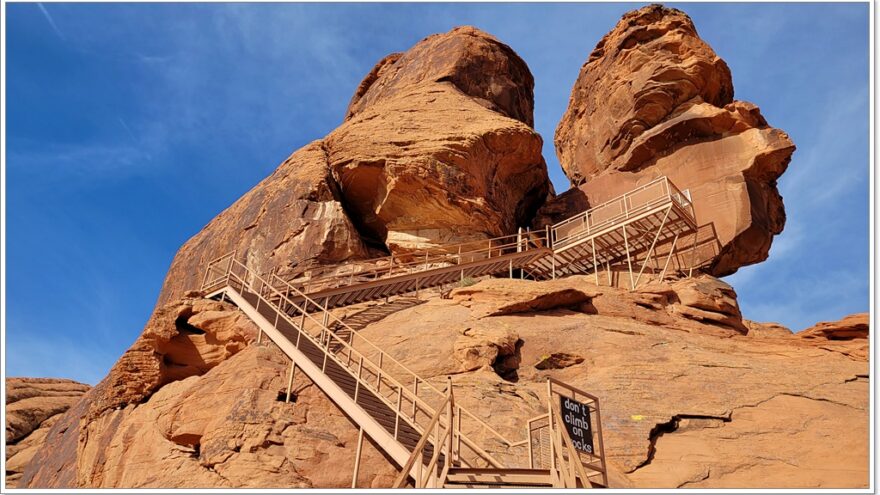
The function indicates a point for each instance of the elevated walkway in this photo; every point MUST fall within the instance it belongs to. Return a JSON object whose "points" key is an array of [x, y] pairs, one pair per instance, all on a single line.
{"points": [[416, 422], [644, 225]]}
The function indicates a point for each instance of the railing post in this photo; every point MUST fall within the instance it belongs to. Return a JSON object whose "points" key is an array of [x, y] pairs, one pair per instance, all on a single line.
{"points": [[529, 444], [553, 463], [290, 380], [458, 436], [601, 444], [632, 283], [357, 384], [450, 425], [357, 458], [415, 396], [595, 261], [379, 373], [397, 411]]}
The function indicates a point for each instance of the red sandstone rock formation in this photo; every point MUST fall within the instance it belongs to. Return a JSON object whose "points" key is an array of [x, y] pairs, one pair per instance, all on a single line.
{"points": [[851, 327], [437, 147], [33, 405], [432, 152], [653, 99]]}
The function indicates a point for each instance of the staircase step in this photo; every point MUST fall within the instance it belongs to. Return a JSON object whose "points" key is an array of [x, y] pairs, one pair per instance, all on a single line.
{"points": [[468, 477]]}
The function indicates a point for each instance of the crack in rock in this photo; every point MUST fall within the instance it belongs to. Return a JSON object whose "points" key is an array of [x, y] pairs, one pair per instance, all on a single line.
{"points": [[671, 426]]}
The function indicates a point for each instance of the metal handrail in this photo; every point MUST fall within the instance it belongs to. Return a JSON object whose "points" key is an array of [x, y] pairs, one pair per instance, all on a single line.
{"points": [[323, 342], [423, 442], [415, 400], [427, 259], [383, 355], [668, 192]]}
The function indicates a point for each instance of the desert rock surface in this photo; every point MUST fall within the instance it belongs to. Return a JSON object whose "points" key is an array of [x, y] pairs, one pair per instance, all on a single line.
{"points": [[33, 405], [689, 396], [654, 99]]}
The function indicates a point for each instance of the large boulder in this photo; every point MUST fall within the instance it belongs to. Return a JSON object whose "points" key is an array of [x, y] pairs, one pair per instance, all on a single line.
{"points": [[654, 99], [437, 146]]}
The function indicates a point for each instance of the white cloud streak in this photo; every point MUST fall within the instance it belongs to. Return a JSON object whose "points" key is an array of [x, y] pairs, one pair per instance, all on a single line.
{"points": [[51, 21]]}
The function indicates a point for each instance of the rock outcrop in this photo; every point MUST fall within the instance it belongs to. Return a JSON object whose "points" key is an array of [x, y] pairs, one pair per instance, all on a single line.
{"points": [[848, 336], [850, 327], [749, 410], [293, 220], [654, 99], [437, 147], [33, 405]]}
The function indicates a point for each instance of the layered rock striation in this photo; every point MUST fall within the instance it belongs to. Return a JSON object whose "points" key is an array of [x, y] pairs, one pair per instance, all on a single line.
{"points": [[654, 99], [33, 405]]}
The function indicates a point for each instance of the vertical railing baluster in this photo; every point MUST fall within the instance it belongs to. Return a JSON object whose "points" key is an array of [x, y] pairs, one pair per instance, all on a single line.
{"points": [[357, 384], [415, 396], [397, 411]]}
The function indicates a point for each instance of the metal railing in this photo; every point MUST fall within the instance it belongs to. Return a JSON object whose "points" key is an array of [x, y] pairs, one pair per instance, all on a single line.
{"points": [[420, 261], [551, 447], [366, 362], [628, 205], [444, 434]]}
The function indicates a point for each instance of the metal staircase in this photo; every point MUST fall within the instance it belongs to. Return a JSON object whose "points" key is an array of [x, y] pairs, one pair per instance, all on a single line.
{"points": [[416, 422], [645, 224]]}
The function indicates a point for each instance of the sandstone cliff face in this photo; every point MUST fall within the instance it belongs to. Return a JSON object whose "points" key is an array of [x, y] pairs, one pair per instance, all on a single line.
{"points": [[293, 219], [654, 99], [672, 364], [33, 405], [436, 147]]}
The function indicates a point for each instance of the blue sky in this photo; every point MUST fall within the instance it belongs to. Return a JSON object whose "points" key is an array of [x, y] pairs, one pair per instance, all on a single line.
{"points": [[131, 125]]}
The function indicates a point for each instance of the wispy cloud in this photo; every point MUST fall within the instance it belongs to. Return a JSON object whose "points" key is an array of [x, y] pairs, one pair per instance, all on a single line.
{"points": [[127, 129], [73, 164], [51, 21]]}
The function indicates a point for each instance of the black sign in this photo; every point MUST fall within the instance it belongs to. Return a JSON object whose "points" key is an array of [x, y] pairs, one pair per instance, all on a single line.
{"points": [[576, 417]]}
